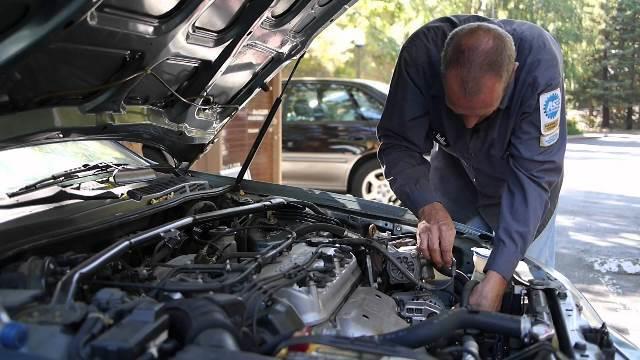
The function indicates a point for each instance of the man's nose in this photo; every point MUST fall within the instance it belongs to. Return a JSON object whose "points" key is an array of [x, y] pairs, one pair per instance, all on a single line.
{"points": [[470, 121]]}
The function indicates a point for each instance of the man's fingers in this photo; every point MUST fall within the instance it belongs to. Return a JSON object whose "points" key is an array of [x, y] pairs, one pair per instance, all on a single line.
{"points": [[436, 233], [446, 247], [425, 248], [434, 246], [423, 240], [435, 242], [446, 256]]}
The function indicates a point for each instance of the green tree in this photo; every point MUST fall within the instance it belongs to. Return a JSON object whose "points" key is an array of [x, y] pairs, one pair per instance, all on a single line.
{"points": [[614, 64], [568, 30], [384, 26], [627, 41], [599, 38], [598, 86]]}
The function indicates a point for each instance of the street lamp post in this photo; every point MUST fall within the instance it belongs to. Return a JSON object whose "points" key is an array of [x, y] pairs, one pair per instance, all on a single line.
{"points": [[358, 43], [358, 49]]}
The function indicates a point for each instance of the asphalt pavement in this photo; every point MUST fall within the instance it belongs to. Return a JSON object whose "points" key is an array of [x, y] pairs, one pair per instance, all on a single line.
{"points": [[598, 226]]}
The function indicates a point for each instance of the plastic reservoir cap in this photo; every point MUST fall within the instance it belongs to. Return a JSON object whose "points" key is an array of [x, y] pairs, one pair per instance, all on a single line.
{"points": [[13, 335], [480, 257], [481, 252]]}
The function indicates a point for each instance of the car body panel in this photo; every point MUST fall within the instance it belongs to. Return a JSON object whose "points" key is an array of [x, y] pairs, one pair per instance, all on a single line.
{"points": [[321, 149], [318, 171]]}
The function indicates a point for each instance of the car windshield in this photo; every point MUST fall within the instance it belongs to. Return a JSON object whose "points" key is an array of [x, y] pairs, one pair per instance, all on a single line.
{"points": [[25, 165]]}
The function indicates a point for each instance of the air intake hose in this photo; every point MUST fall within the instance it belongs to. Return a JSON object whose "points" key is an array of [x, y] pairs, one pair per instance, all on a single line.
{"points": [[444, 324]]}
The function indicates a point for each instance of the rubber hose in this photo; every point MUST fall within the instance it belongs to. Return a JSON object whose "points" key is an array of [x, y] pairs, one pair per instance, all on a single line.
{"points": [[201, 206], [466, 292], [433, 329], [161, 254]]}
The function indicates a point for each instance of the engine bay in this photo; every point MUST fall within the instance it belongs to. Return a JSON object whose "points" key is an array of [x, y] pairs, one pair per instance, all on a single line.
{"points": [[246, 276]]}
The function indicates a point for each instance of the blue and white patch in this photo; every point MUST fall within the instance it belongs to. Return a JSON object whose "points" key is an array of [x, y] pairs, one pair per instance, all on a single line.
{"points": [[550, 139], [550, 110]]}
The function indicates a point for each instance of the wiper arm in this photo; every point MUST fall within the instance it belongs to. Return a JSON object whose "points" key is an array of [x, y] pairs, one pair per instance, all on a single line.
{"points": [[67, 175], [56, 194]]}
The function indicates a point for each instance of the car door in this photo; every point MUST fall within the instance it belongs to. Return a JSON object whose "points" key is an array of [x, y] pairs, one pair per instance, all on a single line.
{"points": [[326, 128]]}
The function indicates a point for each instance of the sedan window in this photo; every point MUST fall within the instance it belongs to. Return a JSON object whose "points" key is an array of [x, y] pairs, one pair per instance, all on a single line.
{"points": [[329, 103], [339, 104], [302, 103], [369, 108]]}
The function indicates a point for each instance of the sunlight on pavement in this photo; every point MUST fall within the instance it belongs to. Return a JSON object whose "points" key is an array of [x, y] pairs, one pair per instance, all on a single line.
{"points": [[598, 227]]}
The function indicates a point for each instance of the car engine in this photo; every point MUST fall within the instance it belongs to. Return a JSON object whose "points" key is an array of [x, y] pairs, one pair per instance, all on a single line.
{"points": [[243, 276]]}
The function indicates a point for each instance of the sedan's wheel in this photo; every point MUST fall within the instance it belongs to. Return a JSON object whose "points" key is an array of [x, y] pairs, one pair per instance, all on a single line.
{"points": [[369, 183]]}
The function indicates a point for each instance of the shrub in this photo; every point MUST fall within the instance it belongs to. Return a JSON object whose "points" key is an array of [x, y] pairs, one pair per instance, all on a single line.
{"points": [[572, 127]]}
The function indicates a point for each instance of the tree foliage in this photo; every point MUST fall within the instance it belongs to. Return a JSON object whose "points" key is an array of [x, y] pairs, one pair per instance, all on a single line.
{"points": [[600, 41]]}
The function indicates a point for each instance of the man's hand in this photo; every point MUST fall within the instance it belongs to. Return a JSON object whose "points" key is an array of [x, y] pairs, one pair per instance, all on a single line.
{"points": [[436, 233], [487, 295]]}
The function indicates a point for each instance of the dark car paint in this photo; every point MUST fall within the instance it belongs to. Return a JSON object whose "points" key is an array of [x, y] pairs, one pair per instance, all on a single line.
{"points": [[73, 220], [80, 218], [327, 135]]}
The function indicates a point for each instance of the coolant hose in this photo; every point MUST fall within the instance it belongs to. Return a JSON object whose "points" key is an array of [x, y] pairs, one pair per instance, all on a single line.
{"points": [[466, 292], [446, 323]]}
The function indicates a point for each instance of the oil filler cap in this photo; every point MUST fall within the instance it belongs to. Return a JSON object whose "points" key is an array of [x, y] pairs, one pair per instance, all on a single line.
{"points": [[13, 335]]}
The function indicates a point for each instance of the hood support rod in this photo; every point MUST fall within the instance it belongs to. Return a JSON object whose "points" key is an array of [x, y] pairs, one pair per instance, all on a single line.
{"points": [[265, 126]]}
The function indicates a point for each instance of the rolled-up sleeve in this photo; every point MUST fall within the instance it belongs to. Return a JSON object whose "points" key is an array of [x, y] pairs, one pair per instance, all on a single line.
{"points": [[536, 164], [403, 133]]}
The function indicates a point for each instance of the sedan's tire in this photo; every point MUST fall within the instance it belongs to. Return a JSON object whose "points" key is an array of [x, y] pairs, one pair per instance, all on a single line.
{"points": [[368, 182]]}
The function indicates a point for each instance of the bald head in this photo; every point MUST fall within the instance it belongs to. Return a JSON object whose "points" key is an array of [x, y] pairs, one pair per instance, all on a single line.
{"points": [[478, 60], [477, 50]]}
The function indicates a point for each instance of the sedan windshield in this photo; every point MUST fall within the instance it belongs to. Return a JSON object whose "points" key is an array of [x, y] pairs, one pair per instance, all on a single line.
{"points": [[22, 166]]}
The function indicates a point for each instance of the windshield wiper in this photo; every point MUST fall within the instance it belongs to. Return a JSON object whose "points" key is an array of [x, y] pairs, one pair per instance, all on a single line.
{"points": [[66, 175], [56, 194]]}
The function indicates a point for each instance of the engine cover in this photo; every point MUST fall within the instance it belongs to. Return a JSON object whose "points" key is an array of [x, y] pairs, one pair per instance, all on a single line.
{"points": [[368, 312], [314, 304]]}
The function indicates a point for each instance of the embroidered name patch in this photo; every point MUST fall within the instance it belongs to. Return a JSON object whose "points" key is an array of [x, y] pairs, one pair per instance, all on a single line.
{"points": [[439, 138]]}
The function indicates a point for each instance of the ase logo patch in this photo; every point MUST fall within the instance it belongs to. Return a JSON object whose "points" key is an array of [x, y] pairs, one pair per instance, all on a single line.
{"points": [[550, 111]]}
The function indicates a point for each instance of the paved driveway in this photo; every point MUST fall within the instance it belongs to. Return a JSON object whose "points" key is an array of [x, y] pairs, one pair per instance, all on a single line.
{"points": [[599, 227]]}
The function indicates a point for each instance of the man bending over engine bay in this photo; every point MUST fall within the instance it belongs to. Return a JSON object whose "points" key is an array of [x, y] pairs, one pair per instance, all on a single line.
{"points": [[490, 93]]}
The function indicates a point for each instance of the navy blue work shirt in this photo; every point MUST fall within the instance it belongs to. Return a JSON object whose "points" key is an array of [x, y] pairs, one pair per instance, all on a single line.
{"points": [[508, 168]]}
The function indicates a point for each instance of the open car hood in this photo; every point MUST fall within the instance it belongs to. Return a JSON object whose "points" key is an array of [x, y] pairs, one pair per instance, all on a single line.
{"points": [[107, 69]]}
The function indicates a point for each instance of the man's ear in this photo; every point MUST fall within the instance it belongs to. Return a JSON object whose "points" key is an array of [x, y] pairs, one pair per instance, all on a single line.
{"points": [[513, 73]]}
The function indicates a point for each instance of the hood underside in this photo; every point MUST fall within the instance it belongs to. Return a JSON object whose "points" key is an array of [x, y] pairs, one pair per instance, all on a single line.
{"points": [[165, 73]]}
